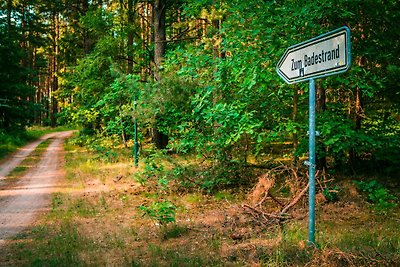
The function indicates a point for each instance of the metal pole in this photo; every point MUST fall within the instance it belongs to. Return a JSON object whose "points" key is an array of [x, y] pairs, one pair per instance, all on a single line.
{"points": [[136, 145], [311, 163]]}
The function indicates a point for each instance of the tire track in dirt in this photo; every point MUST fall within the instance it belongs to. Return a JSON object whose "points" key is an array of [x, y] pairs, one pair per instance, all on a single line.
{"points": [[16, 159], [23, 200]]}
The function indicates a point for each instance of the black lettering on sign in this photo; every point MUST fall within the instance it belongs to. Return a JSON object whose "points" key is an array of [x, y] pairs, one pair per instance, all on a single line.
{"points": [[296, 64], [321, 57]]}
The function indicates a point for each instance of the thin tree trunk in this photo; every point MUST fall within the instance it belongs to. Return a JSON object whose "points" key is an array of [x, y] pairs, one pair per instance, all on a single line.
{"points": [[357, 123], [9, 8], [54, 85], [123, 135], [23, 34], [294, 118], [359, 110], [357, 113], [146, 14], [321, 149], [86, 37], [130, 37]]}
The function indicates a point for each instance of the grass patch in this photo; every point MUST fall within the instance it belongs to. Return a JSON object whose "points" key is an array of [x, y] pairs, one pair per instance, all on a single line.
{"points": [[193, 198], [29, 161], [160, 256], [11, 141], [173, 231], [375, 242], [53, 247], [224, 195]]}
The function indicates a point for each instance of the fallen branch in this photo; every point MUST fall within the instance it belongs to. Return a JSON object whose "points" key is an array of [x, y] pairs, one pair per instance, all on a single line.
{"points": [[118, 178], [269, 195], [275, 199], [295, 200], [263, 199], [264, 214], [279, 216]]}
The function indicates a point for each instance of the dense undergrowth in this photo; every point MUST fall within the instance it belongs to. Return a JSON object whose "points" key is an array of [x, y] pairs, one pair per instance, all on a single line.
{"points": [[183, 211]]}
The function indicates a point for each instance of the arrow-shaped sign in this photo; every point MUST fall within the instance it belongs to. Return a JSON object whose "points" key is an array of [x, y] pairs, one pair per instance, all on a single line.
{"points": [[321, 56]]}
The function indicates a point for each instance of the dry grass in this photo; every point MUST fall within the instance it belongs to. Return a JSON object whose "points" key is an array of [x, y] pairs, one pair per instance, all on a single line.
{"points": [[95, 221]]}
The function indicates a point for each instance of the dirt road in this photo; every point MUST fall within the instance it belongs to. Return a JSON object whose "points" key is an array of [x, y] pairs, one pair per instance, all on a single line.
{"points": [[22, 201]]}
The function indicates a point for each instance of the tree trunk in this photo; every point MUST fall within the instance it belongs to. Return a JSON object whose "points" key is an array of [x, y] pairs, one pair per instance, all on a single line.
{"points": [[159, 35], [359, 110], [23, 34], [357, 123], [160, 139], [9, 8], [357, 113], [130, 37], [86, 37], [146, 13], [54, 79], [294, 118], [321, 149]]}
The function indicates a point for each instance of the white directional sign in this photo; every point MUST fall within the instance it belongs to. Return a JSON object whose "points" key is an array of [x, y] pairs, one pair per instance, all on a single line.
{"points": [[319, 57]]}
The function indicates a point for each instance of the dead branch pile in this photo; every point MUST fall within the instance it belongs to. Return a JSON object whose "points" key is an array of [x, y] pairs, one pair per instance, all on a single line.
{"points": [[262, 193]]}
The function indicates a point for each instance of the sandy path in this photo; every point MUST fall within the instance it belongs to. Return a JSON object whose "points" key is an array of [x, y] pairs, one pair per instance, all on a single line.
{"points": [[22, 153], [23, 200]]}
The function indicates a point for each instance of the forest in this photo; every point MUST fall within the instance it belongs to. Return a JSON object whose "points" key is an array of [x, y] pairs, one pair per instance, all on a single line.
{"points": [[203, 74], [196, 82]]}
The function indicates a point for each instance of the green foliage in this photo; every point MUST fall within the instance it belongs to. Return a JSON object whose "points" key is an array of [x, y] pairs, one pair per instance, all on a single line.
{"points": [[174, 231], [378, 195], [83, 207], [59, 250], [12, 140], [178, 257], [104, 148], [106, 154], [331, 193], [161, 171], [153, 170], [16, 111], [219, 96], [162, 212]]}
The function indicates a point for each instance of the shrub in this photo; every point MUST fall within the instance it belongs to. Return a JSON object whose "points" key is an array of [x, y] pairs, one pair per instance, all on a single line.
{"points": [[377, 195], [161, 212]]}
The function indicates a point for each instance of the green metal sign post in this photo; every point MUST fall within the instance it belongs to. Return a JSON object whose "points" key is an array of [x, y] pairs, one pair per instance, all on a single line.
{"points": [[311, 163], [136, 144], [325, 55]]}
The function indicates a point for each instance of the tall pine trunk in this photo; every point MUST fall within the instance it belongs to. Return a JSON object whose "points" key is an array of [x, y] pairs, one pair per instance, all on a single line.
{"points": [[160, 139], [23, 33], [86, 38], [54, 68], [159, 35], [130, 37]]}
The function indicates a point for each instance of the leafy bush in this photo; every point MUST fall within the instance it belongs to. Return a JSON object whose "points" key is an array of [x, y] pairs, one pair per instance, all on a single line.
{"points": [[377, 194], [102, 146], [331, 194], [153, 169], [162, 212]]}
